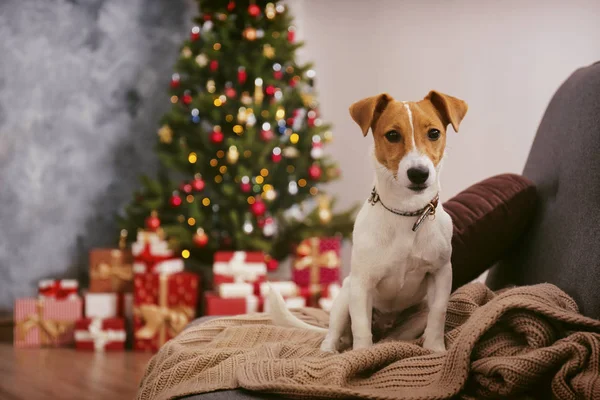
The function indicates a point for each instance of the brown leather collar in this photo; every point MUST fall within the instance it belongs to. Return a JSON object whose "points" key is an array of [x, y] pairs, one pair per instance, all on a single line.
{"points": [[423, 213]]}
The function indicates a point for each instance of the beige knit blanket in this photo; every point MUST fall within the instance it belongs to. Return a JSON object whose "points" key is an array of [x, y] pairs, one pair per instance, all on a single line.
{"points": [[527, 342]]}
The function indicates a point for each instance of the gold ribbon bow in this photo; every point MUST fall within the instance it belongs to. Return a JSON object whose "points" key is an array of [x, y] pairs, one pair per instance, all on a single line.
{"points": [[314, 259], [116, 271], [50, 330], [160, 318]]}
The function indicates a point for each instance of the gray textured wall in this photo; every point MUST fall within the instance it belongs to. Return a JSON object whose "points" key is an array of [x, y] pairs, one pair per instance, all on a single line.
{"points": [[82, 86]]}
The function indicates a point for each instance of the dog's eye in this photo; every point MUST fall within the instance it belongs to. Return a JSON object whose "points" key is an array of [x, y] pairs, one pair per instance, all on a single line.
{"points": [[393, 137], [433, 134]]}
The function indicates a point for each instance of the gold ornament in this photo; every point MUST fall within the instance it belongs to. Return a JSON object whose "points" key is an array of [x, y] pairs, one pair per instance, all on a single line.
{"points": [[210, 86], [270, 10], [258, 91], [201, 60], [186, 52], [324, 206], [307, 99], [246, 99], [249, 33], [328, 136], [291, 152], [268, 51], [233, 154], [165, 134]]}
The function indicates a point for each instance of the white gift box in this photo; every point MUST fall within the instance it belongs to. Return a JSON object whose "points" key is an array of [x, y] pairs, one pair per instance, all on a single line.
{"points": [[167, 267], [108, 305], [235, 290]]}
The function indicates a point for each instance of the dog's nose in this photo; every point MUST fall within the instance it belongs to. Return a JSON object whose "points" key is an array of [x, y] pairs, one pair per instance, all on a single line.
{"points": [[418, 175]]}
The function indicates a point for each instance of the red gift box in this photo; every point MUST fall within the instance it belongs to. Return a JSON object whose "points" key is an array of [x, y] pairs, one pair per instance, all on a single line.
{"points": [[215, 305], [111, 270], [100, 334], [59, 289], [108, 305], [163, 306], [317, 261], [151, 254], [45, 322], [239, 266]]}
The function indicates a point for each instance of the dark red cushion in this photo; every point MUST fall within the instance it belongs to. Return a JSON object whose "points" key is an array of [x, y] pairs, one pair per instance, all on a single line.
{"points": [[489, 218]]}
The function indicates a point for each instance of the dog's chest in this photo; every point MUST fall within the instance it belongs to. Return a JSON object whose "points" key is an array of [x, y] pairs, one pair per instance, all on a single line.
{"points": [[398, 258]]}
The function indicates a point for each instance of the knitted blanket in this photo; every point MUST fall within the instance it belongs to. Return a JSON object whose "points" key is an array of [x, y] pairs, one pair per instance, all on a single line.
{"points": [[527, 342]]}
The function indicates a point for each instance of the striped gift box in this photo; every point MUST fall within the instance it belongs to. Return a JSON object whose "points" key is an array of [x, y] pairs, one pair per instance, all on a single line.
{"points": [[45, 322]]}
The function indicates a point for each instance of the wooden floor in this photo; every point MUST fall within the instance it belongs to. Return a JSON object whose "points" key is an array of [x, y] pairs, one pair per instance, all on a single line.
{"points": [[69, 374]]}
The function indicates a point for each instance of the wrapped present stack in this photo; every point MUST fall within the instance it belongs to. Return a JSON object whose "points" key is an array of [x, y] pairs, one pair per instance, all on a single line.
{"points": [[316, 266], [237, 277], [164, 296], [108, 304], [49, 320]]}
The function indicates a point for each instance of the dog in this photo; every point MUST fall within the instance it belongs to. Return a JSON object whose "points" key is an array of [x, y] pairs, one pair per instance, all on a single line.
{"points": [[402, 235]]}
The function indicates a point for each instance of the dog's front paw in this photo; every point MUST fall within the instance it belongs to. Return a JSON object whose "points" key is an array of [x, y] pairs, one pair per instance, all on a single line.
{"points": [[362, 343], [328, 346], [434, 344]]}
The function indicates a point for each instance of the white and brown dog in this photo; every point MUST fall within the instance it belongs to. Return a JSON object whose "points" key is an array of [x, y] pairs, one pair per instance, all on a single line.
{"points": [[402, 235]]}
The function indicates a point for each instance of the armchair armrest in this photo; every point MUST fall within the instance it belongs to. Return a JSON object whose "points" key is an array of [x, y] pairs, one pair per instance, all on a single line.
{"points": [[488, 218]]}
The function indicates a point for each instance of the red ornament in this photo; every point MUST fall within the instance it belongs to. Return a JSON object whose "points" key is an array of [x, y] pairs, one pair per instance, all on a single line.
{"points": [[214, 65], [198, 184], [314, 172], [216, 137], [254, 10], [293, 82], [231, 6], [186, 98], [195, 34], [245, 187], [291, 36], [175, 200], [230, 92], [175, 81], [200, 239], [242, 76], [152, 222], [260, 223], [258, 209], [276, 157], [186, 187], [266, 135], [277, 74], [272, 264], [311, 116], [206, 17], [270, 90]]}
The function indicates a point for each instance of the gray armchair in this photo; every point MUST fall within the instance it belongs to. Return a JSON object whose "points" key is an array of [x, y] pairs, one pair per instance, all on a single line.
{"points": [[562, 245]]}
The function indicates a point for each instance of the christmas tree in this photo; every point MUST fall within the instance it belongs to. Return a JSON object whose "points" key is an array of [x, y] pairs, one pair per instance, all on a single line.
{"points": [[241, 149]]}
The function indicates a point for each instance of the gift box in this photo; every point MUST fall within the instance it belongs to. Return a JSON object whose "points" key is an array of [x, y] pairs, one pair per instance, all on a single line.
{"points": [[215, 305], [100, 334], [60, 289], [163, 306], [111, 270], [235, 290], [239, 266], [45, 322], [151, 254], [317, 261], [108, 305]]}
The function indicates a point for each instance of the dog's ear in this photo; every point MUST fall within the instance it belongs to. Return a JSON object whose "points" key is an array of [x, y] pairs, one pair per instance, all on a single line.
{"points": [[451, 109], [366, 112]]}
